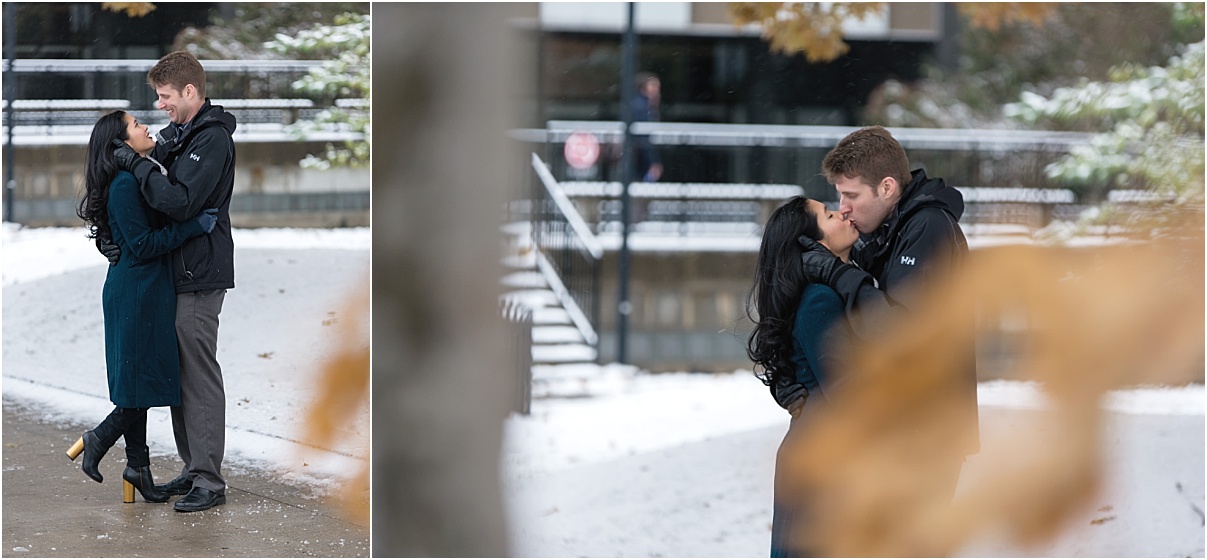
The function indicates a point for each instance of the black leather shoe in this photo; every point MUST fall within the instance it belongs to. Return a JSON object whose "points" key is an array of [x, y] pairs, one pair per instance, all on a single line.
{"points": [[141, 478], [94, 450], [179, 486], [199, 499]]}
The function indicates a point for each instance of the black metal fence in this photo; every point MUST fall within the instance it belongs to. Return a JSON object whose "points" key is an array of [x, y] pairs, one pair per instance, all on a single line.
{"points": [[566, 246], [519, 325]]}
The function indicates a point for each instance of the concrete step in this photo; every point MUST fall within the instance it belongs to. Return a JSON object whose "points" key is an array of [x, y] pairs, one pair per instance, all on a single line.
{"points": [[535, 299], [518, 229], [551, 316], [523, 260], [556, 335], [562, 353], [525, 279]]}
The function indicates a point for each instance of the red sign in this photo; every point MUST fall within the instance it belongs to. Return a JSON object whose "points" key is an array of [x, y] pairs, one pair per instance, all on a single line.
{"points": [[582, 150]]}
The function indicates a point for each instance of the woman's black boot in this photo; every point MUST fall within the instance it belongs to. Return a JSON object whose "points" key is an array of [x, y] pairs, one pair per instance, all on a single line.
{"points": [[140, 477], [93, 450]]}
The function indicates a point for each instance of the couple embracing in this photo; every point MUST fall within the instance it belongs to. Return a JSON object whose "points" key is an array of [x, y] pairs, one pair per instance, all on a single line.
{"points": [[160, 213], [830, 282]]}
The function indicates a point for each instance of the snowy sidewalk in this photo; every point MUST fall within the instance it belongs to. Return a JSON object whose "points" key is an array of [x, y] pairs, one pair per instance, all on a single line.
{"points": [[681, 465], [51, 509], [279, 326]]}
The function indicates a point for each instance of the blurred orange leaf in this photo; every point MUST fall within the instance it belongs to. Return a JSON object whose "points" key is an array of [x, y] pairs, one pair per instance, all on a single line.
{"points": [[811, 28], [132, 9], [993, 15], [815, 28]]}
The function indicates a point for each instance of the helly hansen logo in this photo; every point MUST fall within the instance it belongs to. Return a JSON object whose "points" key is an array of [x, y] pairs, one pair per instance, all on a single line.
{"points": [[907, 260], [194, 157]]}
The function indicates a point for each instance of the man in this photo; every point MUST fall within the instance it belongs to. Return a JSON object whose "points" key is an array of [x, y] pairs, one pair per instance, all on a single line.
{"points": [[910, 242], [199, 154], [645, 109]]}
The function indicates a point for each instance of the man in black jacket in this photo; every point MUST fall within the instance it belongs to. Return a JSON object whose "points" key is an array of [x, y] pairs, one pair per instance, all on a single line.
{"points": [[199, 154], [910, 243]]}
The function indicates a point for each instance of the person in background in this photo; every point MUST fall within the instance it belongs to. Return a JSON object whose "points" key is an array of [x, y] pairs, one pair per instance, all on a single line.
{"points": [[645, 106]]}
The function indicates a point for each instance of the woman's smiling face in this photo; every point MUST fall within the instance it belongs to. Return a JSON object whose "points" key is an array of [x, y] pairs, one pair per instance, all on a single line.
{"points": [[138, 136]]}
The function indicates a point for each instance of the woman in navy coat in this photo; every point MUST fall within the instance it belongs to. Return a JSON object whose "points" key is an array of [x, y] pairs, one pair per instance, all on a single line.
{"points": [[799, 342], [139, 302]]}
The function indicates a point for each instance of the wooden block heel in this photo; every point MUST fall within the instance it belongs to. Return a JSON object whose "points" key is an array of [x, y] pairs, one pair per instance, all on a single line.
{"points": [[75, 449], [127, 492]]}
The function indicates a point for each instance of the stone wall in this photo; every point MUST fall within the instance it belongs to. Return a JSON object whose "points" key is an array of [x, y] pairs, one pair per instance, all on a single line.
{"points": [[271, 189]]}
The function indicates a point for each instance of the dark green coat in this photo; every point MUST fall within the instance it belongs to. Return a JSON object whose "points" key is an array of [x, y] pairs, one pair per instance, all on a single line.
{"points": [[139, 300]]}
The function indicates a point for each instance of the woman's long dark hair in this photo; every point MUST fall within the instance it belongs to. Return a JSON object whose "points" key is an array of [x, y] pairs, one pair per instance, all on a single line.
{"points": [[101, 168], [778, 285]]}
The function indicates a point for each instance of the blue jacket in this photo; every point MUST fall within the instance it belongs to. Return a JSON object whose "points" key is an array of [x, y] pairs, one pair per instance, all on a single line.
{"points": [[821, 349], [820, 342], [139, 302], [646, 154], [821, 338]]}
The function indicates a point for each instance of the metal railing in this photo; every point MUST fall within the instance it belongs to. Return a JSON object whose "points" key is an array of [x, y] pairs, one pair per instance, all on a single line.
{"points": [[567, 252], [518, 317], [756, 156], [810, 136]]}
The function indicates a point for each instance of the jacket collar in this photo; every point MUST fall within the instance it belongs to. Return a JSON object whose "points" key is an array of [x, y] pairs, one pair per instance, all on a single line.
{"points": [[921, 192], [209, 114]]}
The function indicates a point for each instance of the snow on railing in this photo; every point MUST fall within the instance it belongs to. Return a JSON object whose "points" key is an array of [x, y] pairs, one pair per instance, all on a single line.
{"points": [[580, 264], [575, 312], [808, 136]]}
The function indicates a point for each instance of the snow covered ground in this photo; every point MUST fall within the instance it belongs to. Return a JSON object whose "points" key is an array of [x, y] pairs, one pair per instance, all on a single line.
{"points": [[648, 465], [681, 465], [279, 324]]}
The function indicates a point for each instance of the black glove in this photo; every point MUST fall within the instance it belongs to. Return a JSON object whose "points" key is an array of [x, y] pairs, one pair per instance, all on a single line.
{"points": [[109, 249], [127, 159], [788, 393], [207, 218], [819, 265]]}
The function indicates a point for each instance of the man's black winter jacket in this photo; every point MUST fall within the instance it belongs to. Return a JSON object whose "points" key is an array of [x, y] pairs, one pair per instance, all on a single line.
{"points": [[920, 246], [201, 174]]}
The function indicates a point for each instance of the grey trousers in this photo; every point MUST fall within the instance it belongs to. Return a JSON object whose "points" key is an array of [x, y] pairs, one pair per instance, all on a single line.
{"points": [[199, 423]]}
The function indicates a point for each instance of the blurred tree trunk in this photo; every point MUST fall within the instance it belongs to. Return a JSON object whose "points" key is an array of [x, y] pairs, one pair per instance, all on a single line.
{"points": [[445, 76]]}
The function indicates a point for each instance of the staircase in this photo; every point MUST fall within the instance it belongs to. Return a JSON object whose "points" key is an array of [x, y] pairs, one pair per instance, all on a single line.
{"points": [[563, 357]]}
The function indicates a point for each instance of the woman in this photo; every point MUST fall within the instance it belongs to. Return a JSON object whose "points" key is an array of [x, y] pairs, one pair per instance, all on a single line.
{"points": [[799, 339], [139, 302]]}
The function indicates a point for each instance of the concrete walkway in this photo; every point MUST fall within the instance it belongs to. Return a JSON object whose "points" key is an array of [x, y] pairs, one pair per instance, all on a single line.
{"points": [[52, 509]]}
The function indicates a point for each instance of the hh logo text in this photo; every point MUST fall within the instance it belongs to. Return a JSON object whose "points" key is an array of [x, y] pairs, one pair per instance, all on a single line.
{"points": [[194, 157], [907, 260]]}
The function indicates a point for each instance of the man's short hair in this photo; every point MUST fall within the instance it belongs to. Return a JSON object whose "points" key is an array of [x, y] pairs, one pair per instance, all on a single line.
{"points": [[178, 69], [869, 154]]}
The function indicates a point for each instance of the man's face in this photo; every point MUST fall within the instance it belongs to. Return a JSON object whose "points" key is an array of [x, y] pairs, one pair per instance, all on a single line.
{"points": [[180, 105], [652, 89], [866, 206]]}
